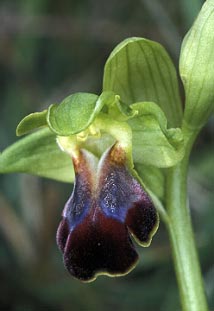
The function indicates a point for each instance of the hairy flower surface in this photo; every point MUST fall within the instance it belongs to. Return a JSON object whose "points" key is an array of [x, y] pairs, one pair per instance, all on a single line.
{"points": [[107, 205]]}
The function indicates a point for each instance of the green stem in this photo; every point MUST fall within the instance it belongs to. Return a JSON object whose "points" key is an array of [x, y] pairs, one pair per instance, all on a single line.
{"points": [[180, 230]]}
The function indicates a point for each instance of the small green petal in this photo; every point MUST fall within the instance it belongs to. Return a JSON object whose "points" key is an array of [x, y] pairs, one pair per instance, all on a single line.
{"points": [[32, 122]]}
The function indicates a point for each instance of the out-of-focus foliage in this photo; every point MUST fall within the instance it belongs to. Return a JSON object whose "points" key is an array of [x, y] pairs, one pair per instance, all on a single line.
{"points": [[48, 50]]}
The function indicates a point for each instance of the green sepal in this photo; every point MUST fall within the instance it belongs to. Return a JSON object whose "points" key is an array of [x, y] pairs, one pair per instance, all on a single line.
{"points": [[73, 115], [153, 178], [197, 68], [76, 112], [153, 143], [38, 154], [141, 70], [31, 122]]}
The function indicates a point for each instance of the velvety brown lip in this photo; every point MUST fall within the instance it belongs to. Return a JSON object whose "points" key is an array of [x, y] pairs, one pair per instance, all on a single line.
{"points": [[99, 246], [106, 205]]}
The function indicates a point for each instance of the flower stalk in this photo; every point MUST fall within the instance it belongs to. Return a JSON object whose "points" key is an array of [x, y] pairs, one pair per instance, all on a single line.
{"points": [[181, 235]]}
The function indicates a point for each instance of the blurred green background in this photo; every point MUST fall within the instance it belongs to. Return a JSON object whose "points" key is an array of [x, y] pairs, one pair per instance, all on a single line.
{"points": [[48, 50]]}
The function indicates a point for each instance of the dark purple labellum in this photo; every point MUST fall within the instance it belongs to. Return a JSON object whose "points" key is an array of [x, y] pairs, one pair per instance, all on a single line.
{"points": [[106, 206]]}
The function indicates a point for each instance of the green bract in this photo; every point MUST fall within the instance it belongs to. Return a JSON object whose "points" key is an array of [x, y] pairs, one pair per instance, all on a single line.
{"points": [[197, 68], [141, 70]]}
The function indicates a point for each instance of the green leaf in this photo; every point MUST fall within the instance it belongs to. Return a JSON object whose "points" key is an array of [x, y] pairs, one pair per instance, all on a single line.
{"points": [[31, 122], [141, 70], [153, 143], [37, 154], [197, 68]]}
